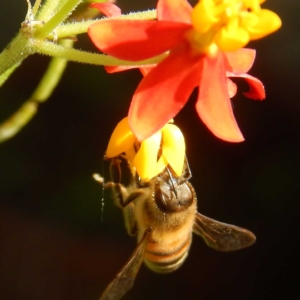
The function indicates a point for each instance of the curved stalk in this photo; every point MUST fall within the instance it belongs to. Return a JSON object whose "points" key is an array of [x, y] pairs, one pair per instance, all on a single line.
{"points": [[25, 113], [4, 76], [80, 56]]}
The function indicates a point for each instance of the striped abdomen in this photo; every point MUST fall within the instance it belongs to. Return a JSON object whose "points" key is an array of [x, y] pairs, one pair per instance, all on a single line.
{"points": [[166, 254], [170, 216]]}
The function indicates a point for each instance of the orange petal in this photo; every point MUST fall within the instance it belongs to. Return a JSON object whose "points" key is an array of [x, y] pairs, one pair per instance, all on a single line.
{"points": [[174, 10], [121, 139], [240, 61], [231, 88], [108, 9], [213, 104], [163, 92], [136, 40], [257, 90]]}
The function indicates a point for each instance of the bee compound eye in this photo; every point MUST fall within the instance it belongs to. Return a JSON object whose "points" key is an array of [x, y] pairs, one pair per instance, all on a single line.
{"points": [[185, 196]]}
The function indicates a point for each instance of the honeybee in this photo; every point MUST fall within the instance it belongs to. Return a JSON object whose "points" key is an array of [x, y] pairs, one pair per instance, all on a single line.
{"points": [[163, 214]]}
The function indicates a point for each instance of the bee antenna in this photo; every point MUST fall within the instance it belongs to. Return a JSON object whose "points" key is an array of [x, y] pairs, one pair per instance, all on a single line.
{"points": [[172, 182]]}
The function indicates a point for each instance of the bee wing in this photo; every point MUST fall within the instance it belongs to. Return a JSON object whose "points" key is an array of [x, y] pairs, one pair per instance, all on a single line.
{"points": [[221, 236], [124, 280]]}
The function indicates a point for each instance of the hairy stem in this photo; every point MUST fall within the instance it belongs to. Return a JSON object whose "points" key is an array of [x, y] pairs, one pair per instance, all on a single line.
{"points": [[71, 54], [71, 29], [14, 53], [56, 19], [47, 10]]}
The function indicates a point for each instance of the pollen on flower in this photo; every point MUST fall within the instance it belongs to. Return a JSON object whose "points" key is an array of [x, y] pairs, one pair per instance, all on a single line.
{"points": [[149, 157]]}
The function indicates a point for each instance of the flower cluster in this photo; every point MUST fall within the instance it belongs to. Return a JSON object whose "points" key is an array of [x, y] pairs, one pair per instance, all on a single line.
{"points": [[231, 24], [204, 49]]}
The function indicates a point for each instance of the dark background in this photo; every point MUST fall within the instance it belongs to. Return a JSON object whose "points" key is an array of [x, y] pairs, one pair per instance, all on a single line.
{"points": [[53, 244]]}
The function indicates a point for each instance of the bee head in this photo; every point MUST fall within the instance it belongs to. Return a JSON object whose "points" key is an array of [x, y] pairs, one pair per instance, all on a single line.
{"points": [[172, 194]]}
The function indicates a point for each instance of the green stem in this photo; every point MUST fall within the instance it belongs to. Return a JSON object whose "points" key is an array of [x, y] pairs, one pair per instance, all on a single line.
{"points": [[4, 76], [22, 46], [71, 54], [36, 6], [15, 52], [62, 3], [17, 121], [51, 77], [57, 18], [71, 29], [25, 113], [47, 10], [149, 14]]}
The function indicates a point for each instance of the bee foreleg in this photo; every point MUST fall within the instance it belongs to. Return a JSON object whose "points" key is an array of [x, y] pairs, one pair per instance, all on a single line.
{"points": [[187, 173], [123, 197], [129, 219], [107, 185], [131, 197]]}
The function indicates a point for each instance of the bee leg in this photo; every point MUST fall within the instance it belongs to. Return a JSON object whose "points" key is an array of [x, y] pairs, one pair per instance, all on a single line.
{"points": [[105, 185], [121, 192], [186, 173], [115, 164], [125, 201], [140, 183], [129, 219]]}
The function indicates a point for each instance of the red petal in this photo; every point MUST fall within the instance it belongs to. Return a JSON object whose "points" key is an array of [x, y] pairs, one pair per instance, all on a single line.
{"points": [[231, 88], [144, 69], [240, 61], [108, 9], [257, 90], [115, 69], [163, 92], [213, 105], [174, 10], [136, 40]]}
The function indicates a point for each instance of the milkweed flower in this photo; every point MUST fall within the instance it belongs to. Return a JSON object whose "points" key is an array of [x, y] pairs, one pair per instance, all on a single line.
{"points": [[204, 48], [149, 157]]}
